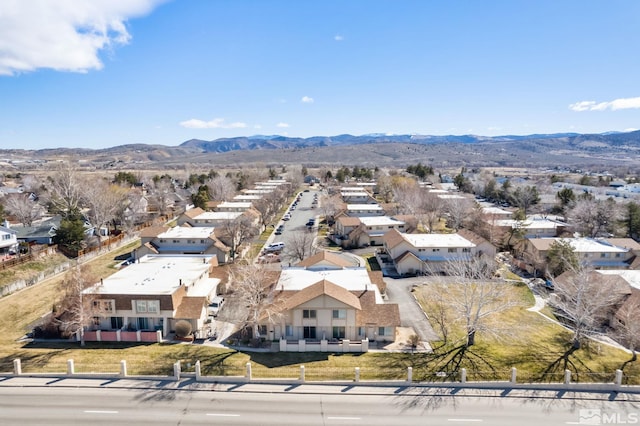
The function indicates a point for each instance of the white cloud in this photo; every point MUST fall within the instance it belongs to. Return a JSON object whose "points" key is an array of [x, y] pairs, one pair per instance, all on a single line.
{"points": [[616, 104], [306, 100], [216, 123], [338, 37], [63, 35], [283, 125], [257, 126]]}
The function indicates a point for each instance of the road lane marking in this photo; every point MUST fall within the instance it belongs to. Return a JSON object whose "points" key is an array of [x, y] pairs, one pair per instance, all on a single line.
{"points": [[100, 412], [223, 415], [464, 420], [344, 418]]}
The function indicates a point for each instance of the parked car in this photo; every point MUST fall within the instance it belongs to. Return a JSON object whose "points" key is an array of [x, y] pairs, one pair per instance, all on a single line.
{"points": [[215, 306], [274, 247], [286, 216], [311, 222], [269, 258]]}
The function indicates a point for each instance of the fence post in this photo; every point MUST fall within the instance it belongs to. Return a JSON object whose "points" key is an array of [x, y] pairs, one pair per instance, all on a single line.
{"points": [[248, 373], [302, 373], [618, 378], [176, 370], [198, 371], [123, 368], [357, 374], [17, 367], [514, 374], [409, 374], [463, 375], [70, 367], [567, 377]]}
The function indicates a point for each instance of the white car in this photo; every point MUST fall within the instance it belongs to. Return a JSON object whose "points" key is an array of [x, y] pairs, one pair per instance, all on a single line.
{"points": [[287, 216], [274, 247], [215, 305]]}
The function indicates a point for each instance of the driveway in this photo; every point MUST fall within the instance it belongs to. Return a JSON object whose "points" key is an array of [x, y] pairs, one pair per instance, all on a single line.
{"points": [[411, 314]]}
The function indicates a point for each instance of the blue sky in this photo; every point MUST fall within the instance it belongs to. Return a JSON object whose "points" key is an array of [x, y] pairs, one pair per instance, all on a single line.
{"points": [[102, 73]]}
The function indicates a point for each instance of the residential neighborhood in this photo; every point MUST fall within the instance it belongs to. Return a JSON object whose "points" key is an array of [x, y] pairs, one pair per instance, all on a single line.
{"points": [[280, 266]]}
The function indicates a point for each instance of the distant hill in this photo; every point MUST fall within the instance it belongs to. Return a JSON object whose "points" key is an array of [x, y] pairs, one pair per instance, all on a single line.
{"points": [[558, 149], [283, 142]]}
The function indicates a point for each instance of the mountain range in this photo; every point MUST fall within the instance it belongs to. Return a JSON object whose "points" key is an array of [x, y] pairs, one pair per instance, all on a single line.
{"points": [[611, 148]]}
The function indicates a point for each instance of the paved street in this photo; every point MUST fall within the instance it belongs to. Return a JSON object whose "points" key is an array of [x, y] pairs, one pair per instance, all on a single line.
{"points": [[25, 401]]}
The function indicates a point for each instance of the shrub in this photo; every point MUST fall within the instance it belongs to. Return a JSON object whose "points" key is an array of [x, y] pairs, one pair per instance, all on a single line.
{"points": [[183, 328]]}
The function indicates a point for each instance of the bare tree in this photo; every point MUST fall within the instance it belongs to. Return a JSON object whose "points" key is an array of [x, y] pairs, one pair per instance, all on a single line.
{"points": [[236, 232], [162, 193], [23, 208], [76, 309], [430, 210], [65, 189], [330, 205], [300, 245], [458, 210], [407, 194], [592, 217], [525, 196], [627, 323], [103, 200], [256, 288], [472, 297], [583, 299], [268, 205], [221, 188]]}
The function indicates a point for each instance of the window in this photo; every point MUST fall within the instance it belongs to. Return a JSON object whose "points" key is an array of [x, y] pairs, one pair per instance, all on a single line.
{"points": [[103, 305], [288, 330], [452, 250], [96, 321], [153, 306], [309, 313], [466, 250], [618, 254], [143, 323], [309, 332], [339, 313], [435, 249], [384, 331], [338, 332], [117, 323], [141, 306], [150, 306], [360, 331], [262, 330]]}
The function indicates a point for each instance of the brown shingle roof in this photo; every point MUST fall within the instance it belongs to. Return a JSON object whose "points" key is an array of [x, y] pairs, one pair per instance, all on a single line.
{"points": [[393, 238], [627, 243], [190, 307], [192, 213], [153, 231], [348, 221], [471, 236], [325, 255], [320, 288], [382, 315]]}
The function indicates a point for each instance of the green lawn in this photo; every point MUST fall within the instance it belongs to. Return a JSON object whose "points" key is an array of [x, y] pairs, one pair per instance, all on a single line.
{"points": [[537, 347]]}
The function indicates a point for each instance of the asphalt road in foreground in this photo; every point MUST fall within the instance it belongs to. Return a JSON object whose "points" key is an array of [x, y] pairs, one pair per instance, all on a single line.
{"points": [[161, 404]]}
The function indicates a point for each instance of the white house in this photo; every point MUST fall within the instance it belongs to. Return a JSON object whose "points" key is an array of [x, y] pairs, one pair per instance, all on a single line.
{"points": [[150, 296], [8, 239], [330, 308], [421, 253], [182, 240], [360, 210]]}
